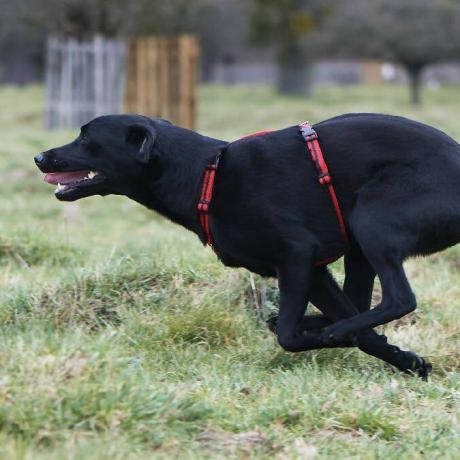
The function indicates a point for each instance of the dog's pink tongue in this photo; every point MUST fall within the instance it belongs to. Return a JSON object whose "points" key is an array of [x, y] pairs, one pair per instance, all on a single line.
{"points": [[65, 177]]}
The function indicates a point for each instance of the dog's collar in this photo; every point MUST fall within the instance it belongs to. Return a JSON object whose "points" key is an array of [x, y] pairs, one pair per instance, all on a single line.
{"points": [[207, 189], [324, 178]]}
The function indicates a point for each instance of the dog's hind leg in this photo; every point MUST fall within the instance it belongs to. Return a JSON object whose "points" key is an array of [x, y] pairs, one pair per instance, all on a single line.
{"points": [[331, 300], [386, 235], [294, 329], [397, 301]]}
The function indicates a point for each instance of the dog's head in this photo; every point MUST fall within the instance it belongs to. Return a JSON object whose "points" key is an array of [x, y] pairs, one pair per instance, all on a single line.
{"points": [[109, 156]]}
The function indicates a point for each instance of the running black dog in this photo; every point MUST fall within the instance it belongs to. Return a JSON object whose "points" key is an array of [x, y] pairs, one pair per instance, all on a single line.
{"points": [[398, 183]]}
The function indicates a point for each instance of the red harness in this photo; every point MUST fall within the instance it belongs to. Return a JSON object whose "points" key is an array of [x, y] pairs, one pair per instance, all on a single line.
{"points": [[324, 178]]}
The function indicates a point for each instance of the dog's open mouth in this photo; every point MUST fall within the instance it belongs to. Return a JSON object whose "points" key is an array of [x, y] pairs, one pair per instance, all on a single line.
{"points": [[74, 184]]}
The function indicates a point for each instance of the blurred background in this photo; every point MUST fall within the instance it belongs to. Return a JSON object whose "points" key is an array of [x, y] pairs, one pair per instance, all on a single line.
{"points": [[292, 45], [120, 336]]}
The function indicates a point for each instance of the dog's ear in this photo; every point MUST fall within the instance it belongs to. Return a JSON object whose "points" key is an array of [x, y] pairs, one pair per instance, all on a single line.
{"points": [[142, 137]]}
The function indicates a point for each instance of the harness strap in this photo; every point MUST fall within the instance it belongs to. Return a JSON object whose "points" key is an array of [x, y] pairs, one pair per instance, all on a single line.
{"points": [[207, 189], [257, 133], [324, 178]]}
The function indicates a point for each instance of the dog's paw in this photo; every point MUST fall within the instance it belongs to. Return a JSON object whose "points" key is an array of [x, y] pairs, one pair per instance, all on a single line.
{"points": [[424, 370], [420, 367], [272, 323]]}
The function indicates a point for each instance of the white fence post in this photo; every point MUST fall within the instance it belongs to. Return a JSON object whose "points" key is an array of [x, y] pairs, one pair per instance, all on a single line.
{"points": [[83, 80]]}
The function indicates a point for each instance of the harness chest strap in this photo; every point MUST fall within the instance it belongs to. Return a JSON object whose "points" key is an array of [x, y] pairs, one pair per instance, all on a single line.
{"points": [[207, 189], [324, 178]]}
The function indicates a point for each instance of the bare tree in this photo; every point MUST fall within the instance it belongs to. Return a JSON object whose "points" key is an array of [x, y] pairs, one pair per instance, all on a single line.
{"points": [[85, 18], [76, 18], [413, 33]]}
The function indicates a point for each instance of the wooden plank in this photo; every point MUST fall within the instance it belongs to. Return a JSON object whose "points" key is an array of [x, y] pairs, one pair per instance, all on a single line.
{"points": [[88, 79], [195, 59], [141, 70], [189, 63], [98, 76], [152, 76], [175, 78], [72, 96], [184, 72], [76, 85], [121, 62], [131, 93], [50, 83], [187, 85], [64, 103], [162, 78]]}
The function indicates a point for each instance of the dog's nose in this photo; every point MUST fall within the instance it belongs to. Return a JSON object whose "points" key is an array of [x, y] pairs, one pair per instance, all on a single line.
{"points": [[39, 159]]}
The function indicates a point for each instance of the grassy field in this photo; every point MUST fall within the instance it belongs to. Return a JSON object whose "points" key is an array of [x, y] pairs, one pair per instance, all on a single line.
{"points": [[121, 337]]}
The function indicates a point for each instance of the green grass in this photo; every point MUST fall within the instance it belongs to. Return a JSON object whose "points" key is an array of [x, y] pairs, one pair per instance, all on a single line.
{"points": [[121, 337]]}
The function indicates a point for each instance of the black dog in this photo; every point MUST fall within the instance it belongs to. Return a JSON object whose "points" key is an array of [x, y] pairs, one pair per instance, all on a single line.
{"points": [[398, 182]]}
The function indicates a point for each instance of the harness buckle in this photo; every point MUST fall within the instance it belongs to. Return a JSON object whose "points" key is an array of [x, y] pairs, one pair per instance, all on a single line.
{"points": [[325, 178], [203, 205], [308, 132]]}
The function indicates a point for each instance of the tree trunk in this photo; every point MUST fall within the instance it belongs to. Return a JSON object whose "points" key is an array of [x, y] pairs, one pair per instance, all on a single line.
{"points": [[415, 83], [294, 72], [22, 61]]}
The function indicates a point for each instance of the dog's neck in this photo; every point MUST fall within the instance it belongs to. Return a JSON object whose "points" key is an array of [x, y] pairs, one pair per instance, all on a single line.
{"points": [[172, 183]]}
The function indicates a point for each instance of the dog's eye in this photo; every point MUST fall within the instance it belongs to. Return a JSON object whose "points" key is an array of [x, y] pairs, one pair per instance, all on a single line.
{"points": [[135, 137]]}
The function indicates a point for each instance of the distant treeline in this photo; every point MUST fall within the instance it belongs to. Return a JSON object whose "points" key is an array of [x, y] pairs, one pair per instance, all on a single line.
{"points": [[289, 33]]}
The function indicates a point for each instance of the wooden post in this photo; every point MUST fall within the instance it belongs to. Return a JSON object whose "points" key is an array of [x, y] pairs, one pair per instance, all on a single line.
{"points": [[162, 78], [188, 63]]}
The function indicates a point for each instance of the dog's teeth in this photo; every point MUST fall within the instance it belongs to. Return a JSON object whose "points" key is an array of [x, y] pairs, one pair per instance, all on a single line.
{"points": [[92, 174], [60, 187]]}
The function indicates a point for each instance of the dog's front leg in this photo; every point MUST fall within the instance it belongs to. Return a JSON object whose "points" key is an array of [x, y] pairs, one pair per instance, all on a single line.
{"points": [[294, 278], [313, 325], [309, 323], [359, 279]]}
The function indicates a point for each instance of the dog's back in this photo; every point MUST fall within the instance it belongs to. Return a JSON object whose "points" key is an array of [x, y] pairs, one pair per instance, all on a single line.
{"points": [[408, 172]]}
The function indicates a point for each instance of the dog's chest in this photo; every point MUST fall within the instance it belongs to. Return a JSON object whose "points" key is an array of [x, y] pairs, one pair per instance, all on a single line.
{"points": [[259, 267]]}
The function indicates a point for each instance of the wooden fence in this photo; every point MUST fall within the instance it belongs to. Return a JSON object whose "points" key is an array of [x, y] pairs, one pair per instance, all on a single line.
{"points": [[83, 80], [162, 78]]}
